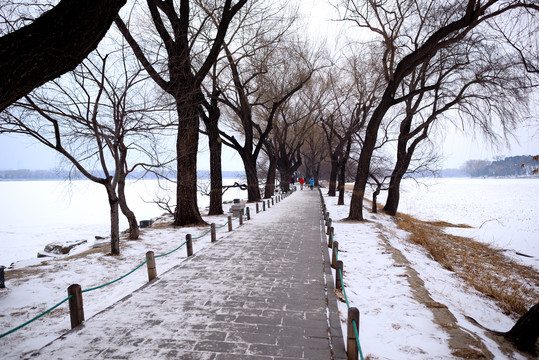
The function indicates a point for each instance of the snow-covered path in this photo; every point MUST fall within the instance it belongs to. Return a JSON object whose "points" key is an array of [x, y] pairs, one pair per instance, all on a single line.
{"points": [[258, 294]]}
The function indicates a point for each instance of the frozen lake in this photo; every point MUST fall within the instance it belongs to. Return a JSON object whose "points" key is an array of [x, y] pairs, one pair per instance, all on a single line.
{"points": [[35, 213], [503, 212]]}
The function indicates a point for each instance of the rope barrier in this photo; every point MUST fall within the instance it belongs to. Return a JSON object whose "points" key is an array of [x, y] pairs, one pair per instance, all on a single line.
{"points": [[37, 317], [110, 282], [118, 279]]}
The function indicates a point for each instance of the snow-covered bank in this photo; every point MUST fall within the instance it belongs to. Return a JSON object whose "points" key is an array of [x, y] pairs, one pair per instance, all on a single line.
{"points": [[36, 213], [502, 212], [379, 264]]}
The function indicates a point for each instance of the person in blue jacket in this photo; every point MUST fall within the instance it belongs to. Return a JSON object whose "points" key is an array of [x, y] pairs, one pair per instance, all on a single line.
{"points": [[311, 183]]}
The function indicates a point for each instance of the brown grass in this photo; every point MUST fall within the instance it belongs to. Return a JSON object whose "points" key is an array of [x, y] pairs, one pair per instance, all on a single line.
{"points": [[513, 286]]}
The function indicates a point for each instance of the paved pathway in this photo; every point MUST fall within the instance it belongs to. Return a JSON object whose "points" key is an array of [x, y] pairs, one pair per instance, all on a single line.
{"points": [[260, 293]]}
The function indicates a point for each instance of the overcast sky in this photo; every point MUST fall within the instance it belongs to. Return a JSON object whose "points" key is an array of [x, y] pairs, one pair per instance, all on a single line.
{"points": [[19, 152]]}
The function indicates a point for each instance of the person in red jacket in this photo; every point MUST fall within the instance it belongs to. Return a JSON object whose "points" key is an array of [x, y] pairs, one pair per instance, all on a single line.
{"points": [[301, 181]]}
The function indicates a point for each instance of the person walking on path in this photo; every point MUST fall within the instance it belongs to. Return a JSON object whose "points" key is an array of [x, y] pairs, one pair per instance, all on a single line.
{"points": [[311, 183], [301, 181]]}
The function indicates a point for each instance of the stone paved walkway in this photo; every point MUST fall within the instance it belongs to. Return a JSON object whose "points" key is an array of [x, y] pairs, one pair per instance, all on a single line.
{"points": [[260, 293]]}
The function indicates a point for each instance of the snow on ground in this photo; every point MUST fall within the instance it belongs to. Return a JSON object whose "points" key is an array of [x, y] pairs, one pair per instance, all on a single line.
{"points": [[393, 325], [47, 284]]}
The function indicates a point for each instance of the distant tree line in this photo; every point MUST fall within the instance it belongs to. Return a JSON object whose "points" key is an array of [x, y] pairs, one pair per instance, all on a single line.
{"points": [[524, 165]]}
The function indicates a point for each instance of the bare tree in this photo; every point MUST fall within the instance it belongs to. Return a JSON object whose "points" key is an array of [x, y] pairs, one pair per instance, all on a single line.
{"points": [[52, 45], [271, 78], [90, 117], [186, 62], [411, 40]]}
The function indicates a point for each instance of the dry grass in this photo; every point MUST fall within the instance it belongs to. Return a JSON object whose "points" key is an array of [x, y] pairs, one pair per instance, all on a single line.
{"points": [[513, 286]]}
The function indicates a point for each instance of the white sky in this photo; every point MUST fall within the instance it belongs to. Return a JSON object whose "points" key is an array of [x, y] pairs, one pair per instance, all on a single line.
{"points": [[18, 152]]}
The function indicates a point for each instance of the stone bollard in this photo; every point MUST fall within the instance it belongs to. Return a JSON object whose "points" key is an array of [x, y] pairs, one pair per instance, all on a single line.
{"points": [[76, 310], [189, 245], [330, 237], [338, 282], [152, 269], [351, 343], [335, 254], [248, 212], [212, 233], [229, 223]]}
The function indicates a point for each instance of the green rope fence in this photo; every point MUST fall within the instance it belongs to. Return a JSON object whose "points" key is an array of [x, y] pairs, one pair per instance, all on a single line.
{"points": [[111, 282]]}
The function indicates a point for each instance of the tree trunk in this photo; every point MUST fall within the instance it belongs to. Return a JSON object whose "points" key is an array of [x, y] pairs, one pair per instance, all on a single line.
{"points": [[526, 331], [342, 180], [269, 190], [114, 221], [333, 176], [393, 194], [216, 174], [130, 215], [253, 191], [52, 45], [285, 180], [374, 200], [187, 212]]}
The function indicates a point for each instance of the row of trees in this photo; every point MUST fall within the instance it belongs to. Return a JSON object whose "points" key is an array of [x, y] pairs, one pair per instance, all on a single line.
{"points": [[261, 87], [525, 165]]}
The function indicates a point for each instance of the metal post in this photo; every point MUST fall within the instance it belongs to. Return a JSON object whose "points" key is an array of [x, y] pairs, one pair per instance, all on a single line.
{"points": [[152, 270], [189, 245], [335, 254], [212, 233], [351, 343], [76, 310]]}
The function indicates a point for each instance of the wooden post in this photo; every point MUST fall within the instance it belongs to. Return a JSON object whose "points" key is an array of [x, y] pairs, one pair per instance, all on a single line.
{"points": [[257, 208], [329, 226], [212, 233], [229, 223], [334, 254], [76, 310], [241, 218], [351, 343], [338, 282], [189, 245], [269, 204], [330, 238], [248, 212], [272, 201], [152, 270], [263, 205], [327, 217]]}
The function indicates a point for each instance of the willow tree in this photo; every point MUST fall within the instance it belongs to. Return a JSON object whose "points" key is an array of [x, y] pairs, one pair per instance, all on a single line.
{"points": [[420, 30], [184, 62]]}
